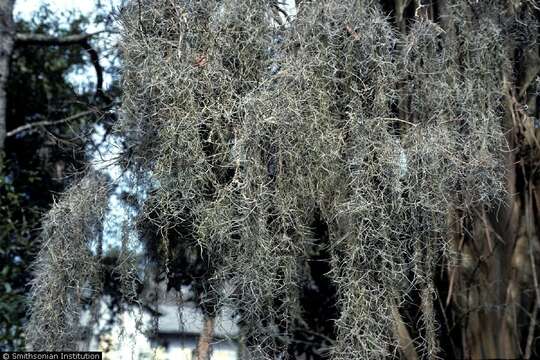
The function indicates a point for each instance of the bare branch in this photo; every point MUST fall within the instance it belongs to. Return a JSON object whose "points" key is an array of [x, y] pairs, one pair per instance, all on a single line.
{"points": [[49, 122], [42, 39], [94, 58]]}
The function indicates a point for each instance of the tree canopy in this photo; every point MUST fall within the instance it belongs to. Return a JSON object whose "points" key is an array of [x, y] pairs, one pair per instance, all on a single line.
{"points": [[47, 128]]}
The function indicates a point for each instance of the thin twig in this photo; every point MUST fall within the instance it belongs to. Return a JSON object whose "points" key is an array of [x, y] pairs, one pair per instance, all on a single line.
{"points": [[49, 122]]}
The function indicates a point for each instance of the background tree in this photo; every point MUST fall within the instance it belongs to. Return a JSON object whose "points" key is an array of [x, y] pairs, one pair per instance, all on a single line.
{"points": [[6, 47], [46, 131]]}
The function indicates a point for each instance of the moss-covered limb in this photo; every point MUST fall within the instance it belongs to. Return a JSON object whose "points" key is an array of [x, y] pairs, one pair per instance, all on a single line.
{"points": [[251, 127], [496, 234], [66, 270], [455, 151], [216, 53]]}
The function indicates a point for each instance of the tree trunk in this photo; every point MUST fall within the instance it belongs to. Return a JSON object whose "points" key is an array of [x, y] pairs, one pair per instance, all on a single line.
{"points": [[6, 48], [203, 347]]}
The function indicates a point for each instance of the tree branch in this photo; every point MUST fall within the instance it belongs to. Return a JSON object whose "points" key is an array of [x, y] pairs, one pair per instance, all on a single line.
{"points": [[94, 58], [43, 39], [49, 122], [277, 10]]}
